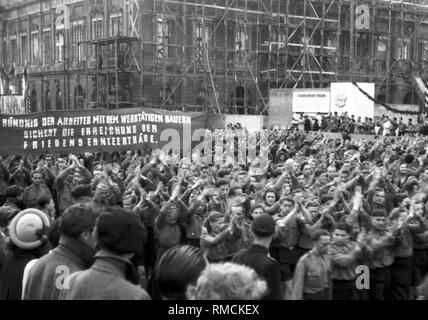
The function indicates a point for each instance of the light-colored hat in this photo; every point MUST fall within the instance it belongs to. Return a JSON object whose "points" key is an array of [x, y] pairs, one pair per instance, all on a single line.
{"points": [[25, 226]]}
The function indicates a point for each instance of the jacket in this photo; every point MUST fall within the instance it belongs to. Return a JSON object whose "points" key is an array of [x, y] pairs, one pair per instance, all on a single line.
{"points": [[256, 257], [105, 280], [32, 193], [13, 271], [344, 259], [312, 275], [70, 256]]}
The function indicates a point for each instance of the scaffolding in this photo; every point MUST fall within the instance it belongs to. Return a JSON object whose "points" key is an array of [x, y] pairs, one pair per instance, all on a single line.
{"points": [[224, 55], [110, 68]]}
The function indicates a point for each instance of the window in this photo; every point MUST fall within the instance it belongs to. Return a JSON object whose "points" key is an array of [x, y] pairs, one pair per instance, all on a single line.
{"points": [[382, 43], [24, 48], [97, 28], [47, 46], [78, 31], [240, 96], [47, 99], [423, 50], [202, 35], [96, 31], [79, 98], [34, 101], [201, 97], [59, 46], [163, 38], [14, 50], [402, 49], [115, 25], [58, 99], [363, 45], [278, 35], [241, 38], [34, 47]]}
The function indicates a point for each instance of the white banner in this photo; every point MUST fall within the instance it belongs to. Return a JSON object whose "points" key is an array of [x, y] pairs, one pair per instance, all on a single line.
{"points": [[345, 97], [311, 100]]}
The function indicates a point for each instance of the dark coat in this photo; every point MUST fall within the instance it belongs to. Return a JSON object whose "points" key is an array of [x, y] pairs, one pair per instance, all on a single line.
{"points": [[256, 257], [105, 280], [13, 271], [70, 256]]}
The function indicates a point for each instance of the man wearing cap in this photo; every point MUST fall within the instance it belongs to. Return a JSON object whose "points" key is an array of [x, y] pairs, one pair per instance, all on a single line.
{"points": [[257, 256], [75, 252], [11, 206], [35, 190], [113, 276], [27, 233]]}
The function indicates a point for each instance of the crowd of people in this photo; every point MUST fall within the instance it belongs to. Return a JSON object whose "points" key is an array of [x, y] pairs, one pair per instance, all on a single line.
{"points": [[325, 218], [344, 123]]}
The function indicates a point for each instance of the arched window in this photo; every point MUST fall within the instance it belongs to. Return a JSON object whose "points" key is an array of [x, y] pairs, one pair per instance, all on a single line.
{"points": [[201, 97], [34, 101], [58, 99], [47, 99], [411, 98], [240, 96], [79, 97]]}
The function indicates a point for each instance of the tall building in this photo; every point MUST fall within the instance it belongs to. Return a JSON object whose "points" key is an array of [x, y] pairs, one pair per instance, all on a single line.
{"points": [[213, 55]]}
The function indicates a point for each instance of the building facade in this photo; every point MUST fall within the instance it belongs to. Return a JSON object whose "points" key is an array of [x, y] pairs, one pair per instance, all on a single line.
{"points": [[210, 55]]}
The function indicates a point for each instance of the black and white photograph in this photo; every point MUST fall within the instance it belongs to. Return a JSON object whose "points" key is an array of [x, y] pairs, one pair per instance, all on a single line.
{"points": [[221, 150]]}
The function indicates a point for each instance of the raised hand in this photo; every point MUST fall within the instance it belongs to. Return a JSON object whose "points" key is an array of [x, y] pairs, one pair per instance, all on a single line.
{"points": [[175, 192]]}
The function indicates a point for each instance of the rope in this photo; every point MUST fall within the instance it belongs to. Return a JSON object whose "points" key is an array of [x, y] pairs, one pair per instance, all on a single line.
{"points": [[383, 104]]}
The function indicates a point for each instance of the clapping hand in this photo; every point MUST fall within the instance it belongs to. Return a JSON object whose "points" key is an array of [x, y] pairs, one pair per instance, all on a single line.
{"points": [[175, 192], [361, 238]]}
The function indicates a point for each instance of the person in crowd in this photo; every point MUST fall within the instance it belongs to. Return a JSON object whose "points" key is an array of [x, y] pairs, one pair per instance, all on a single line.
{"points": [[20, 175], [114, 275], [345, 255], [35, 190], [28, 241], [380, 239], [177, 269], [312, 279], [12, 206], [257, 256], [47, 205], [68, 179], [168, 225], [75, 252], [227, 281], [216, 237]]}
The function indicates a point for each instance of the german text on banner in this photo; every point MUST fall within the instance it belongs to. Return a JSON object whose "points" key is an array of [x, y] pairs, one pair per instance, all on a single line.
{"points": [[99, 130]]}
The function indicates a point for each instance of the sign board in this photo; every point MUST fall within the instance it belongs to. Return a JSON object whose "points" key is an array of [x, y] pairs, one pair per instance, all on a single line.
{"points": [[345, 97], [100, 130], [311, 100]]}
